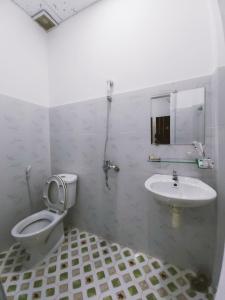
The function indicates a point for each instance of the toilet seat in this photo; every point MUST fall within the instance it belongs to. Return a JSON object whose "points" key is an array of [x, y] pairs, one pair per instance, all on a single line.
{"points": [[43, 220], [54, 194], [25, 227], [35, 225]]}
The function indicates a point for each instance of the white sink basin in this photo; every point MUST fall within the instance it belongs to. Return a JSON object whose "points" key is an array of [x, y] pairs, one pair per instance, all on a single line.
{"points": [[187, 192]]}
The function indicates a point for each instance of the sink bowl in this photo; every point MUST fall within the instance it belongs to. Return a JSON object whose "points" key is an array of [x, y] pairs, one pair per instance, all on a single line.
{"points": [[187, 192]]}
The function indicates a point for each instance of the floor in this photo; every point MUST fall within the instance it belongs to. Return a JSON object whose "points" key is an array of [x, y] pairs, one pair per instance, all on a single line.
{"points": [[87, 267]]}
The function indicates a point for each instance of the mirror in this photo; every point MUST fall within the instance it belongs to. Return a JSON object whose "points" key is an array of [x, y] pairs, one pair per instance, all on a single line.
{"points": [[178, 118]]}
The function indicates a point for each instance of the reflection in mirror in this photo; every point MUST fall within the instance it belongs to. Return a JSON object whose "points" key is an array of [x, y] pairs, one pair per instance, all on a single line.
{"points": [[160, 120], [178, 117]]}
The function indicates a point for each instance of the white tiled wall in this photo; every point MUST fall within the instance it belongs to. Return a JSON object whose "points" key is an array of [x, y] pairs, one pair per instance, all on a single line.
{"points": [[24, 131]]}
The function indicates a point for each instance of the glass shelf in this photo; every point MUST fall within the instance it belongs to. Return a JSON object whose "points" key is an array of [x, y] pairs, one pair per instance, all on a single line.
{"points": [[173, 161]]}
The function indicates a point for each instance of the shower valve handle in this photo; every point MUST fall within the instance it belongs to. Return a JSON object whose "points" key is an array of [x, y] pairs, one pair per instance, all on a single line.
{"points": [[108, 165]]}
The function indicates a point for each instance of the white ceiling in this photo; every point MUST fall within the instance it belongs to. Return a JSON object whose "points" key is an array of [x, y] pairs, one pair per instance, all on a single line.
{"points": [[60, 10]]}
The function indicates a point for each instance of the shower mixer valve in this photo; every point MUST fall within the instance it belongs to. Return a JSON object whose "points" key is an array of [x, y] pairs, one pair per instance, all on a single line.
{"points": [[108, 165]]}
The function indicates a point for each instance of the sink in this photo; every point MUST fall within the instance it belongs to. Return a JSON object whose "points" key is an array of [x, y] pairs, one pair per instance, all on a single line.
{"points": [[187, 192]]}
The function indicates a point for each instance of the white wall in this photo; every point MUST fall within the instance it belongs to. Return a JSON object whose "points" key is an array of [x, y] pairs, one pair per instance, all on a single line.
{"points": [[135, 43], [160, 107], [216, 16], [23, 56], [222, 11]]}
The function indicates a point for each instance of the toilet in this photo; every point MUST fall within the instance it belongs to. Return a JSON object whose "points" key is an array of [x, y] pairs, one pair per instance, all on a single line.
{"points": [[42, 233]]}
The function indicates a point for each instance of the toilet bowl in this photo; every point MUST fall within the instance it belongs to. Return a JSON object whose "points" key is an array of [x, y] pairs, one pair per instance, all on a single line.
{"points": [[42, 232]]}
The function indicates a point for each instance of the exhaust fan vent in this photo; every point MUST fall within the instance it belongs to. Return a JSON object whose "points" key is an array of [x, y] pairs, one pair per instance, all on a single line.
{"points": [[45, 20]]}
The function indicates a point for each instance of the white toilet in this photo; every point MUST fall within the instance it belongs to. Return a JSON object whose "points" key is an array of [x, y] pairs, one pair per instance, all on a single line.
{"points": [[42, 232]]}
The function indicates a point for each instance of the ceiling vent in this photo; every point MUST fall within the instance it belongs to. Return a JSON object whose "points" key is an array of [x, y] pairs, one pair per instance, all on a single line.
{"points": [[51, 13], [45, 20]]}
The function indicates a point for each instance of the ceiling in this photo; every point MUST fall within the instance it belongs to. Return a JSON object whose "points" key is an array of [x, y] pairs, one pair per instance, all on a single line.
{"points": [[59, 10]]}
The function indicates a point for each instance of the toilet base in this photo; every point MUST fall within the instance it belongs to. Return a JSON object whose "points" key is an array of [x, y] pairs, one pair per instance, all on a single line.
{"points": [[38, 254]]}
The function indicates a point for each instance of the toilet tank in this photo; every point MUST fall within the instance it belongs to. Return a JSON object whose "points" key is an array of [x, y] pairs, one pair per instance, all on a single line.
{"points": [[71, 184]]}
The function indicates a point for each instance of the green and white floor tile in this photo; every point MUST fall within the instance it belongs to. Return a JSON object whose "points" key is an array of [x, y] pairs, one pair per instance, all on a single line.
{"points": [[87, 267]]}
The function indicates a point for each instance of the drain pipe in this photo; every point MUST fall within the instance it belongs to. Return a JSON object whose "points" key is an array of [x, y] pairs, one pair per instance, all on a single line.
{"points": [[27, 173]]}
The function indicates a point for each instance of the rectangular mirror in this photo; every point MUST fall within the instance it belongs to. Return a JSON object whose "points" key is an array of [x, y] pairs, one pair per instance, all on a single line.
{"points": [[178, 118]]}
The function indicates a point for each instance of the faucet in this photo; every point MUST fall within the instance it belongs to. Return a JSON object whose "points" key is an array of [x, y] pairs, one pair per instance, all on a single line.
{"points": [[108, 165], [175, 176]]}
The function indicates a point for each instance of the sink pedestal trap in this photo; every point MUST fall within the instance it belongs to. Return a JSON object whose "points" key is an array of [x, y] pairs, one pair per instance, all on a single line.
{"points": [[176, 216]]}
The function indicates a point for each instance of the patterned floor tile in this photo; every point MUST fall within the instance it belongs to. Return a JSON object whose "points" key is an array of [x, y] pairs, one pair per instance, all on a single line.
{"points": [[88, 267]]}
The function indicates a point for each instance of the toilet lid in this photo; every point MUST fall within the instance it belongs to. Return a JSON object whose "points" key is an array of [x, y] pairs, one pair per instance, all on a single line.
{"points": [[54, 194]]}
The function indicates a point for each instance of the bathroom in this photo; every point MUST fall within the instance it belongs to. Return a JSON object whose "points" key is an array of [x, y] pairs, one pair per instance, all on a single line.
{"points": [[80, 84]]}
